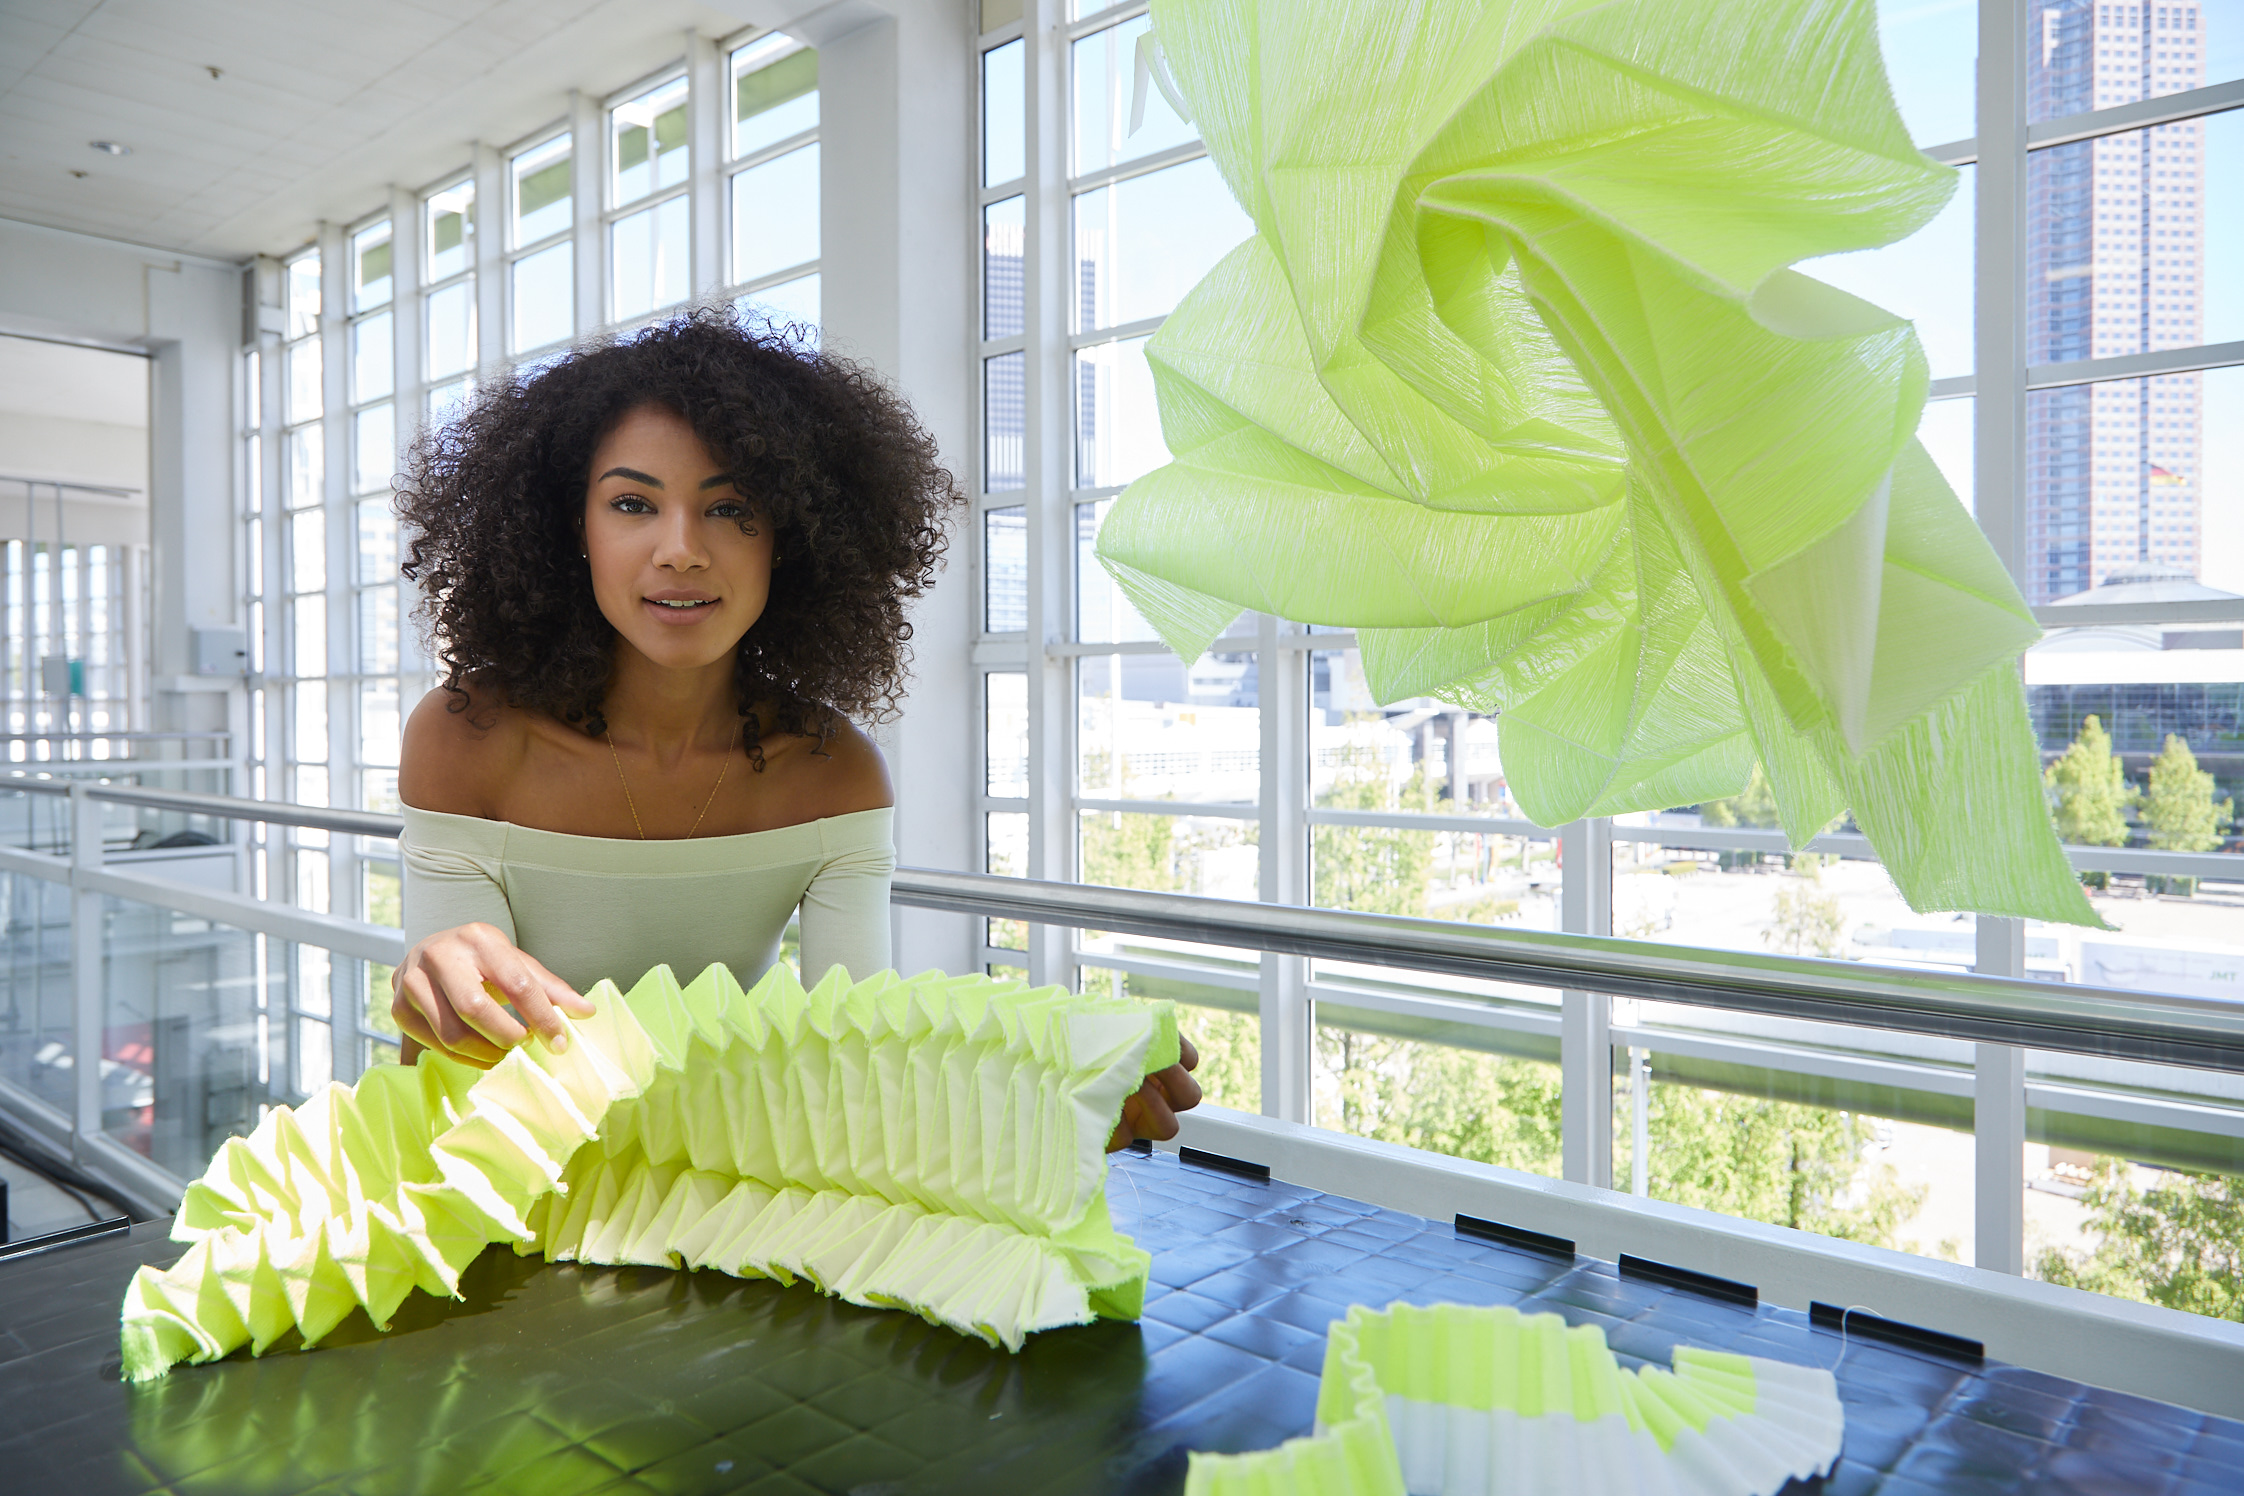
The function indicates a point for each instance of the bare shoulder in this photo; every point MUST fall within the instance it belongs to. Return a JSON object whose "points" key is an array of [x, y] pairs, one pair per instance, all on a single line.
{"points": [[458, 751], [844, 775]]}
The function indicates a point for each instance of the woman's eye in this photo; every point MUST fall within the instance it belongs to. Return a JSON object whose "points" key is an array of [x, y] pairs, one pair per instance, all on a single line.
{"points": [[631, 504]]}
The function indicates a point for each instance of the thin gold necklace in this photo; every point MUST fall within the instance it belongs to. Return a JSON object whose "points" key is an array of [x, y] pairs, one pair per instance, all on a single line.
{"points": [[626, 783]]}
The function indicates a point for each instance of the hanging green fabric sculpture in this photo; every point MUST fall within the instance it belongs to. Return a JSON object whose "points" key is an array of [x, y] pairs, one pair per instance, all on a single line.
{"points": [[1514, 380], [930, 1143], [1451, 1400]]}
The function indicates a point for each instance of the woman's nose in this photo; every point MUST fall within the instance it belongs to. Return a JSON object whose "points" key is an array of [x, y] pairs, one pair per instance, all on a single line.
{"points": [[678, 544]]}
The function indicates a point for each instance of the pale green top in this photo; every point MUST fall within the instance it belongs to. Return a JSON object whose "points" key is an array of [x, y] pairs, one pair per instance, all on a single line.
{"points": [[590, 907]]}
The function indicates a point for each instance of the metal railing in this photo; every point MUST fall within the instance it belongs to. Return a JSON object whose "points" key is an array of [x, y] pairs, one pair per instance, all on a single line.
{"points": [[2098, 1022]]}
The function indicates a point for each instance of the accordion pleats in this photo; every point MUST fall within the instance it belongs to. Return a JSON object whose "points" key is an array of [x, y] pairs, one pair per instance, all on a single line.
{"points": [[1514, 379], [1455, 1401], [930, 1143]]}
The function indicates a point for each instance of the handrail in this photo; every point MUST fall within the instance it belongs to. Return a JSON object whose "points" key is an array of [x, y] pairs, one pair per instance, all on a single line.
{"points": [[2162, 1028], [222, 807], [2158, 1027]]}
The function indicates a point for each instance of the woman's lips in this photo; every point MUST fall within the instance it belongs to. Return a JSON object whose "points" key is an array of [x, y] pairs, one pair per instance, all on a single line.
{"points": [[680, 608]]}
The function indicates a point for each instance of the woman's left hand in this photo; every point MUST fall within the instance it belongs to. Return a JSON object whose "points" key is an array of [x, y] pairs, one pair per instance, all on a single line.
{"points": [[1152, 1111]]}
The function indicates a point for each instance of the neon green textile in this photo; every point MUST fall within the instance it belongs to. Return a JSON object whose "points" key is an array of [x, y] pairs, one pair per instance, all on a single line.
{"points": [[929, 1143], [1514, 380], [1448, 1399]]}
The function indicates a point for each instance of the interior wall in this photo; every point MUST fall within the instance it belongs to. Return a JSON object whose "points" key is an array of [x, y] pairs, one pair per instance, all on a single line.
{"points": [[185, 313]]}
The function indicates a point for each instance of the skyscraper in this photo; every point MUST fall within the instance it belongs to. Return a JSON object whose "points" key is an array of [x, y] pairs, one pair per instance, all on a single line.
{"points": [[2115, 265]]}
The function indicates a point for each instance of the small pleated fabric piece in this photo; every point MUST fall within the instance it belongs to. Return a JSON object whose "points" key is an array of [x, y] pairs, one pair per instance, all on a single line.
{"points": [[1455, 1400], [1514, 378], [930, 1143]]}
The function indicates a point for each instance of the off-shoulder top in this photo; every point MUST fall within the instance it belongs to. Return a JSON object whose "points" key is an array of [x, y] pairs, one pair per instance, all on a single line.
{"points": [[593, 906]]}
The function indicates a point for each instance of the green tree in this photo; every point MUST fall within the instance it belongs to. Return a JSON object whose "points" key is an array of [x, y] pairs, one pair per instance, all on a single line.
{"points": [[1774, 1161], [1807, 920], [2180, 809], [1489, 1108], [2089, 792], [1755, 805], [1372, 869], [2180, 1244]]}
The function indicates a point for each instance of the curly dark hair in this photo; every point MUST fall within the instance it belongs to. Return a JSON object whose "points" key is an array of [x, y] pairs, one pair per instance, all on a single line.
{"points": [[824, 452]]}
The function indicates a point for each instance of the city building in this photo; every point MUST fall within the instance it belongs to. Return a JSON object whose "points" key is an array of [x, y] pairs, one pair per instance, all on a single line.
{"points": [[2115, 265]]}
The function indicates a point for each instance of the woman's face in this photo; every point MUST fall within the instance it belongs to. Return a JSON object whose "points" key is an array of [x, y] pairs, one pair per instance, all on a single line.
{"points": [[681, 564]]}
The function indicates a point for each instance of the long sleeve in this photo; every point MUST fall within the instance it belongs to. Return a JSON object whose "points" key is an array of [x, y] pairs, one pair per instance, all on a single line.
{"points": [[845, 912]]}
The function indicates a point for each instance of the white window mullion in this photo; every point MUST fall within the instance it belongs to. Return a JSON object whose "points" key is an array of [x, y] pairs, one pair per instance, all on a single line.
{"points": [[1288, 1016], [1048, 463], [1999, 484], [410, 377], [705, 141], [588, 170], [491, 329]]}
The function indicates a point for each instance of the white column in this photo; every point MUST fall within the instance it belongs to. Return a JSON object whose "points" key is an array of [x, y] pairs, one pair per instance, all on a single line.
{"points": [[1999, 344], [1049, 460], [706, 116], [1585, 1044], [87, 1020], [1288, 1017], [588, 177], [1999, 501], [490, 262], [406, 312], [1998, 1117]]}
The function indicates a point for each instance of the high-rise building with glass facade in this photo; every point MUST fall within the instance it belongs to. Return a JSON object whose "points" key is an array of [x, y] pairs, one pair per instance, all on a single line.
{"points": [[2115, 267]]}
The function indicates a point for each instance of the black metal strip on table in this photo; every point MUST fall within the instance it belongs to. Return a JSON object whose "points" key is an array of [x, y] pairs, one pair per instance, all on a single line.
{"points": [[31, 1246], [1223, 1163], [1689, 1279], [1858, 1321], [1514, 1236]]}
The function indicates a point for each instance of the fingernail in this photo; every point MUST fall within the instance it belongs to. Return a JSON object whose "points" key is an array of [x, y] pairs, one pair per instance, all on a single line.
{"points": [[558, 1042]]}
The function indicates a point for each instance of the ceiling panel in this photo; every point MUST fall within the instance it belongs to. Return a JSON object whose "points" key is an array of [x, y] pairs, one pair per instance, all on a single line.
{"points": [[318, 105]]}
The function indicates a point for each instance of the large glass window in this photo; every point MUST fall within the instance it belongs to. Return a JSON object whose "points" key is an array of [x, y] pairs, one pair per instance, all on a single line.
{"points": [[650, 260], [772, 190], [542, 265], [1179, 772]]}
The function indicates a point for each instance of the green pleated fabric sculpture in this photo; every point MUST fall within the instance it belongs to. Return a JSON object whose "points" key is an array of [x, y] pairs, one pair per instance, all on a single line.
{"points": [[1514, 380], [930, 1143], [1450, 1400]]}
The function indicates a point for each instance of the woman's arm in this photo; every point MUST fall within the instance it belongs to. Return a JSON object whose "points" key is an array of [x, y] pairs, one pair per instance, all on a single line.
{"points": [[460, 936], [461, 966]]}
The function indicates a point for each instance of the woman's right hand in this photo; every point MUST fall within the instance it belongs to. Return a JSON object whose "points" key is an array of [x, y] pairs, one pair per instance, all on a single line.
{"points": [[451, 991]]}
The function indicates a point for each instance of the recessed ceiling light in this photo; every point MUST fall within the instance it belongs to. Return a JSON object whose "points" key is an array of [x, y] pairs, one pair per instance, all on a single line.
{"points": [[110, 147]]}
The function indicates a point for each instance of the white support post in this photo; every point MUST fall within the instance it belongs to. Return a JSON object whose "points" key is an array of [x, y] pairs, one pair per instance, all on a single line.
{"points": [[1999, 339], [1998, 1117], [1289, 1025], [491, 337], [705, 150], [1048, 458], [1640, 1122], [405, 312], [87, 1023], [588, 173], [1585, 1035]]}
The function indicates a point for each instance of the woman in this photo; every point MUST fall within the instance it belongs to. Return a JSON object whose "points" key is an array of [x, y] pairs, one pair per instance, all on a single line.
{"points": [[661, 576]]}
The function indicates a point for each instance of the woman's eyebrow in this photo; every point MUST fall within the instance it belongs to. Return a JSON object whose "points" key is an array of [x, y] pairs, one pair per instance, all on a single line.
{"points": [[634, 475], [722, 480]]}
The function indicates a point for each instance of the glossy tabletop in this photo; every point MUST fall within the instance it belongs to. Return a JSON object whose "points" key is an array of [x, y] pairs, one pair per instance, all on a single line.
{"points": [[560, 1379]]}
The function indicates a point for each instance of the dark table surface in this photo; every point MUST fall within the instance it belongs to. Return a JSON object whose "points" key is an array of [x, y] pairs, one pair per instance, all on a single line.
{"points": [[559, 1379]]}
